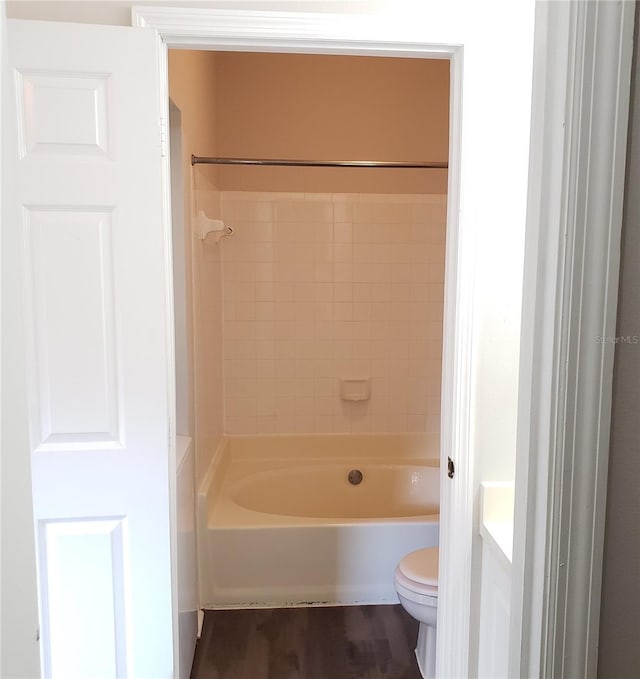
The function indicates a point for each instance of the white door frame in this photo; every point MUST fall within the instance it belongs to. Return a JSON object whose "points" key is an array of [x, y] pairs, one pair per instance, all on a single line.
{"points": [[356, 35], [346, 34]]}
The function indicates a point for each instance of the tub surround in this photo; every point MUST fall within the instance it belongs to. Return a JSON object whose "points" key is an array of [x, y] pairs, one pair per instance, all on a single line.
{"points": [[186, 552], [263, 554], [319, 287], [405, 446]]}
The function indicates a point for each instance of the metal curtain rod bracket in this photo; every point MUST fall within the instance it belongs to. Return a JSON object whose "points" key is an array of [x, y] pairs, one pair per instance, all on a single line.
{"points": [[208, 160]]}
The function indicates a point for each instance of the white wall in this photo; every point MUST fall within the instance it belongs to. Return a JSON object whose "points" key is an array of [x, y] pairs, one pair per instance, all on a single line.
{"points": [[118, 12]]}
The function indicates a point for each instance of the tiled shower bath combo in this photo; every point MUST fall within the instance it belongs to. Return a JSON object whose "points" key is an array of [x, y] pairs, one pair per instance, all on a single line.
{"points": [[318, 287]]}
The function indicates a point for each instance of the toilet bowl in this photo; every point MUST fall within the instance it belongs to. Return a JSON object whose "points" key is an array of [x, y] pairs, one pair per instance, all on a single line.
{"points": [[416, 583]]}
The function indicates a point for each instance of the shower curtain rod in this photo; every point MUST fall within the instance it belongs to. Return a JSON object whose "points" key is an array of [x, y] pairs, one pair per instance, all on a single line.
{"points": [[208, 160]]}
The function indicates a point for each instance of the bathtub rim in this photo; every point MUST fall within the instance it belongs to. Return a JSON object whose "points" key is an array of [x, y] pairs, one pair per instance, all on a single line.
{"points": [[418, 446]]}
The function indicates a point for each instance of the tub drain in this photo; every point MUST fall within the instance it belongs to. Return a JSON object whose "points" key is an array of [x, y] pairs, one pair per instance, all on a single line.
{"points": [[355, 477]]}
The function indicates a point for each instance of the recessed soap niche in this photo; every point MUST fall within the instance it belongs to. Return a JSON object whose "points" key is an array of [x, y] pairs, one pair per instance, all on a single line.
{"points": [[355, 388]]}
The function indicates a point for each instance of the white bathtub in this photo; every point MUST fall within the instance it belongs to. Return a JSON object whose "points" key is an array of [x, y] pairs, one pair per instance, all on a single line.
{"points": [[279, 523]]}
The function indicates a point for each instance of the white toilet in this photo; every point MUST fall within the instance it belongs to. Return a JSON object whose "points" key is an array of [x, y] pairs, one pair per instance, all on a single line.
{"points": [[416, 581]]}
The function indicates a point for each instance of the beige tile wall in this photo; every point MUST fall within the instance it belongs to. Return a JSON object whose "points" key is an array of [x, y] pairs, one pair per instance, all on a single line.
{"points": [[207, 328], [322, 286]]}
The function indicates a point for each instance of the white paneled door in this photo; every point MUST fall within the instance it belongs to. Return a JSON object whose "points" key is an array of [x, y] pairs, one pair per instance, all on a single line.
{"points": [[90, 193]]}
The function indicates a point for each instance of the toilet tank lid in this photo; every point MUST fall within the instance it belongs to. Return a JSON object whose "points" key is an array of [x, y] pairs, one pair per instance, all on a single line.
{"points": [[421, 566]]}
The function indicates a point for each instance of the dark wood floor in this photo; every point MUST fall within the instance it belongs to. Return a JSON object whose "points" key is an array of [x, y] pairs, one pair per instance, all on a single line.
{"points": [[344, 642]]}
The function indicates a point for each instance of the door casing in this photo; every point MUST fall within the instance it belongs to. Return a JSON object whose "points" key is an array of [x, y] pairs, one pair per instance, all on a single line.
{"points": [[370, 36]]}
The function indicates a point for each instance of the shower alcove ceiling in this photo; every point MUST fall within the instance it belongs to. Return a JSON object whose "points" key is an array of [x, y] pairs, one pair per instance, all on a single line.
{"points": [[331, 272]]}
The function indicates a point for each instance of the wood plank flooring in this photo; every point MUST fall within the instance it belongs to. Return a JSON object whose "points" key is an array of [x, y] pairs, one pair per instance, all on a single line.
{"points": [[342, 642]]}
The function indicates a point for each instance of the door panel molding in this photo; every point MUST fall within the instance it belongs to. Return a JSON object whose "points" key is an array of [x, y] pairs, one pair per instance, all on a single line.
{"points": [[85, 561], [71, 295], [47, 103]]}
